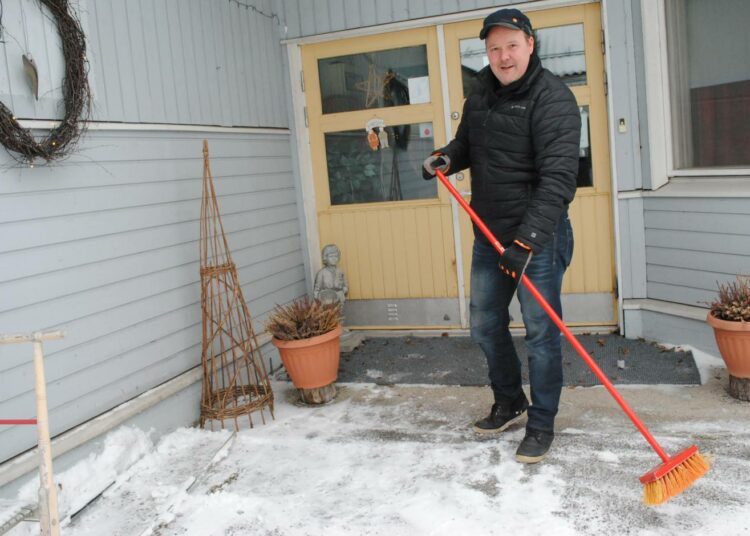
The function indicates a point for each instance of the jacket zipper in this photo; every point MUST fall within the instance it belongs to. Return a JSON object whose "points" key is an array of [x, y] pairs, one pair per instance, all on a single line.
{"points": [[501, 100]]}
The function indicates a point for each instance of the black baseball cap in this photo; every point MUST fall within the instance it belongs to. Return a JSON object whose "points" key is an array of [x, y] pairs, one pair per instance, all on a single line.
{"points": [[509, 18]]}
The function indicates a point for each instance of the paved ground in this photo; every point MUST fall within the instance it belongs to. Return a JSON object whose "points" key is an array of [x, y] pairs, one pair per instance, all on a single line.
{"points": [[598, 455], [403, 460]]}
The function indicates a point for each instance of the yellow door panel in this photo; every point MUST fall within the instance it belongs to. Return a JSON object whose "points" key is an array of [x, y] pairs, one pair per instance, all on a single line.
{"points": [[591, 268], [394, 253]]}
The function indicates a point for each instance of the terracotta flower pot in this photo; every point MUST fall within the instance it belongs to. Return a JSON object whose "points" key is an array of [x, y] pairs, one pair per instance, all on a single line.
{"points": [[733, 340], [313, 362]]}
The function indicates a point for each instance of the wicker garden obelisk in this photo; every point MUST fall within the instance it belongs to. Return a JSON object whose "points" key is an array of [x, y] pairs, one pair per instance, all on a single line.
{"points": [[235, 382]]}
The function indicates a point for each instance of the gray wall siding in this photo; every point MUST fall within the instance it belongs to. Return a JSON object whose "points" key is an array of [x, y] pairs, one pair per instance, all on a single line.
{"points": [[105, 246], [202, 62], [623, 91], [632, 250], [644, 181], [305, 17], [691, 243], [671, 249]]}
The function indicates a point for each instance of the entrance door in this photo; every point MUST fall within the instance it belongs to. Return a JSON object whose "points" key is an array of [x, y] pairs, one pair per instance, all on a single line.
{"points": [[374, 107], [569, 45]]}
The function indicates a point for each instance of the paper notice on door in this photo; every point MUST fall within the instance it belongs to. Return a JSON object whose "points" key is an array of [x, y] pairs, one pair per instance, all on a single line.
{"points": [[419, 90]]}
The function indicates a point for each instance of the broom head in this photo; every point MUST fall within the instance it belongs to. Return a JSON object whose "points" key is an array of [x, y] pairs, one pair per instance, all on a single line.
{"points": [[673, 476]]}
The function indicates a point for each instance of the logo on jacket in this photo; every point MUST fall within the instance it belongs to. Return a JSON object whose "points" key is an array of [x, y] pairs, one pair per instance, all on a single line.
{"points": [[517, 107]]}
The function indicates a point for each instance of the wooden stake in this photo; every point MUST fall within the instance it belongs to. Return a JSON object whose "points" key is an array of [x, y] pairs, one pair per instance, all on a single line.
{"points": [[739, 388], [49, 521], [48, 514]]}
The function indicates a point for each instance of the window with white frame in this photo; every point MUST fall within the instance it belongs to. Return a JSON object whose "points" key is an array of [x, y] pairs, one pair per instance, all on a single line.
{"points": [[708, 46]]}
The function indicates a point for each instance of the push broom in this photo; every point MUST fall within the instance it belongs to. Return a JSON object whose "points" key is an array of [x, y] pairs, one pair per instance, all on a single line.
{"points": [[674, 474]]}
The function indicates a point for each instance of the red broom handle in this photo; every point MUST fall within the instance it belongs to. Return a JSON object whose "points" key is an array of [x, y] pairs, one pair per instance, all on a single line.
{"points": [[558, 321], [5, 422]]}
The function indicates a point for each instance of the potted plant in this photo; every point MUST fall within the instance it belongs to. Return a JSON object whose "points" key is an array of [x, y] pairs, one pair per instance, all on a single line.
{"points": [[307, 333], [730, 318]]}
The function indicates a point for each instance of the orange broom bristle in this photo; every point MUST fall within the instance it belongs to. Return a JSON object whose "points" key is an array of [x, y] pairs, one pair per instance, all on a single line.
{"points": [[675, 481]]}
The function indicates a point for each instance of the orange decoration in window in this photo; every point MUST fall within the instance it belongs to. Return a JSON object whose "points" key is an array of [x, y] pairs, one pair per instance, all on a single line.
{"points": [[372, 140]]}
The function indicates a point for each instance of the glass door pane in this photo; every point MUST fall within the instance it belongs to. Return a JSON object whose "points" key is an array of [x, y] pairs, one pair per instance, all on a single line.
{"points": [[380, 79], [585, 169], [561, 49], [389, 171]]}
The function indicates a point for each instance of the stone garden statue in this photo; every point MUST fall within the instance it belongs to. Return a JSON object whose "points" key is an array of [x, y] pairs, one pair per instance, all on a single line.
{"points": [[330, 281]]}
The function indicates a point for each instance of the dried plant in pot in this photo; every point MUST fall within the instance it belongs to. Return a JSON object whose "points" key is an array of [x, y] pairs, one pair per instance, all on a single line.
{"points": [[730, 318], [307, 333]]}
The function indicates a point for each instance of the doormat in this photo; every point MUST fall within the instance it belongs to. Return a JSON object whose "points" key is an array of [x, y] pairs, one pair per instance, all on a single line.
{"points": [[460, 361]]}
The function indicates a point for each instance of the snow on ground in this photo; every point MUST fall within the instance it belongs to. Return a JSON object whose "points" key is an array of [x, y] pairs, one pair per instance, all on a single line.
{"points": [[122, 448], [705, 362], [403, 461]]}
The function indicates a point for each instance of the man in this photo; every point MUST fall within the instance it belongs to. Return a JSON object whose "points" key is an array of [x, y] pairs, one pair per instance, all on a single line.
{"points": [[519, 135]]}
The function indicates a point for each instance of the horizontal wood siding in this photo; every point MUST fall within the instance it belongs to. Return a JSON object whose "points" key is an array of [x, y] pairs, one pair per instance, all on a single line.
{"points": [[305, 17], [105, 246], [691, 243], [204, 62]]}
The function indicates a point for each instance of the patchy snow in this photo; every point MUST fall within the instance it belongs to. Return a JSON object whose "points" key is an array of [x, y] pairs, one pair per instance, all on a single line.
{"points": [[607, 456], [403, 461], [122, 448], [704, 361]]}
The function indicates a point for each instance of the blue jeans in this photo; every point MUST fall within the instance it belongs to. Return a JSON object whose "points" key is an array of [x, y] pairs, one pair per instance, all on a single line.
{"points": [[491, 293]]}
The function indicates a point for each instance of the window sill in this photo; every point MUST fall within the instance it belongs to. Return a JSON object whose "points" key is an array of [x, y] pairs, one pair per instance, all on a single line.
{"points": [[703, 186], [711, 172], [665, 307]]}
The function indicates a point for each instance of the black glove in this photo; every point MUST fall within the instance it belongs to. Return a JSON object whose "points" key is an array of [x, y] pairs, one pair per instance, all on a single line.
{"points": [[433, 162], [515, 260]]}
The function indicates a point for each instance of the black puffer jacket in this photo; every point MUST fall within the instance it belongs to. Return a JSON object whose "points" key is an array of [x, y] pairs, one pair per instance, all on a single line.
{"points": [[521, 144]]}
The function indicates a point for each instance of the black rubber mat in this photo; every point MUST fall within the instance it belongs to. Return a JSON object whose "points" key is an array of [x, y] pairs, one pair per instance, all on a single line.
{"points": [[459, 361]]}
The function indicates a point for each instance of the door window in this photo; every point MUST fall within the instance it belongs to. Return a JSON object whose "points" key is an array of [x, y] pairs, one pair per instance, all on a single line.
{"points": [[379, 79], [561, 49], [380, 165], [585, 168]]}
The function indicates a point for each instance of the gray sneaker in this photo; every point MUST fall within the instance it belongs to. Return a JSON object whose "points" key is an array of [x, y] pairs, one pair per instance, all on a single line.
{"points": [[502, 415], [534, 446]]}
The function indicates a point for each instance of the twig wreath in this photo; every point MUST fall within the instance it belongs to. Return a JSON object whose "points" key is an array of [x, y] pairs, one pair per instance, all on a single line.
{"points": [[61, 140]]}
